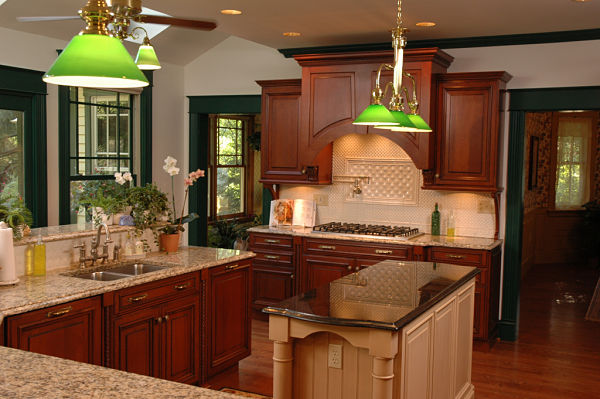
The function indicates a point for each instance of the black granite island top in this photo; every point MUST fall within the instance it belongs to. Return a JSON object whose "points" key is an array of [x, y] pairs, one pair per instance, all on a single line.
{"points": [[387, 295]]}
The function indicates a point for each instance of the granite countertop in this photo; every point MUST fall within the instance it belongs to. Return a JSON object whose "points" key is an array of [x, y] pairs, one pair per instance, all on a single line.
{"points": [[387, 295], [32, 293], [423, 240], [31, 375]]}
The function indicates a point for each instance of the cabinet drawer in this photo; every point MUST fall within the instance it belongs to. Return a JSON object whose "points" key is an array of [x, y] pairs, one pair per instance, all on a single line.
{"points": [[458, 256], [375, 250], [139, 296], [270, 241], [273, 257]]}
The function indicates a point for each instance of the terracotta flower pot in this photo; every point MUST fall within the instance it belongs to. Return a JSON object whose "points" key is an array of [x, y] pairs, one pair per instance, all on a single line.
{"points": [[169, 242]]}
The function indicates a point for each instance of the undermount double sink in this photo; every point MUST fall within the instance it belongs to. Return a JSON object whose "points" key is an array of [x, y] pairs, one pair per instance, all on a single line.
{"points": [[118, 272]]}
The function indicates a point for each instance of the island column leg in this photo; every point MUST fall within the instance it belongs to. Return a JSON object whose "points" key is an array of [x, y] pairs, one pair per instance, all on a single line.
{"points": [[383, 377], [282, 370]]}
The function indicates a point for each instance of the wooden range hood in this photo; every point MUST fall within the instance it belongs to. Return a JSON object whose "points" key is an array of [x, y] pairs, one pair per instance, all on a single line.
{"points": [[337, 87]]}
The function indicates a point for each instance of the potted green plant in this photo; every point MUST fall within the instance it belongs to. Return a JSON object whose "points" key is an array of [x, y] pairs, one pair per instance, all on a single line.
{"points": [[14, 213], [148, 204], [171, 232]]}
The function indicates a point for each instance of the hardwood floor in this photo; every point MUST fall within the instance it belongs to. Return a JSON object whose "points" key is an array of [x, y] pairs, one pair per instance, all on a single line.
{"points": [[557, 354]]}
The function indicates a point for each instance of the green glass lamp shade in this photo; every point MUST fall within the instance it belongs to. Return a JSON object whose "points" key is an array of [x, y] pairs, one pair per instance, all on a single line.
{"points": [[404, 123], [146, 58], [92, 60], [419, 123], [375, 114]]}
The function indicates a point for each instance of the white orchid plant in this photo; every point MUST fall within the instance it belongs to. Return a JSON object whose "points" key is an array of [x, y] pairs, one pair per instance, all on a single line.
{"points": [[176, 224]]}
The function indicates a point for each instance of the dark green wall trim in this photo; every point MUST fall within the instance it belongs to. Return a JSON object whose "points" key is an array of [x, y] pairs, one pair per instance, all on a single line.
{"points": [[146, 132], [197, 230], [508, 331], [557, 98], [462, 42], [22, 80], [64, 180], [243, 104], [199, 108], [514, 227]]}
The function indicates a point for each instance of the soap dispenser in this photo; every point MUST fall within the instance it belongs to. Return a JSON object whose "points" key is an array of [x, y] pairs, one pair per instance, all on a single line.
{"points": [[39, 258]]}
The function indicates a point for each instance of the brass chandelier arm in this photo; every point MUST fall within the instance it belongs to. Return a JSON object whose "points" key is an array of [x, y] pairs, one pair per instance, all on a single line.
{"points": [[146, 38], [377, 94], [413, 103]]}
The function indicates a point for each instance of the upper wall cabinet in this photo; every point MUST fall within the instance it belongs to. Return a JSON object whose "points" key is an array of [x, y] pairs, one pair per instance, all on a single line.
{"points": [[467, 131], [336, 88], [281, 147]]}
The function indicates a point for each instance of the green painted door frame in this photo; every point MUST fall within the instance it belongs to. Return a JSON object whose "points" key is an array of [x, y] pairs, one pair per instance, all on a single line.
{"points": [[23, 90], [522, 101], [199, 109]]}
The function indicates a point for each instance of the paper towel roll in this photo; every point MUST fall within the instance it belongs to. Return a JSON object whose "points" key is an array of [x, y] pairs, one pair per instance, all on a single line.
{"points": [[7, 255]]}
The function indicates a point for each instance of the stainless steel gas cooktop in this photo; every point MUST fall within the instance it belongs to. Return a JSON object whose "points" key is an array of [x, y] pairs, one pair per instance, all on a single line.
{"points": [[368, 229]]}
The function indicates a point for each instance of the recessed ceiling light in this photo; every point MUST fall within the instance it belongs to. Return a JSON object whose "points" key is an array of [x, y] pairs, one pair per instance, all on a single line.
{"points": [[291, 34], [581, 1], [426, 24], [231, 12]]}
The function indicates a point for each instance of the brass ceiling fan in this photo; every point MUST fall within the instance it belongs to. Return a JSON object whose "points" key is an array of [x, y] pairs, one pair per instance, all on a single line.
{"points": [[120, 15]]}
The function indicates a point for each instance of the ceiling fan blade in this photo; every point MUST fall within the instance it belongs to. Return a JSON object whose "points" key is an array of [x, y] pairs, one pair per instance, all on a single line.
{"points": [[41, 19], [184, 23]]}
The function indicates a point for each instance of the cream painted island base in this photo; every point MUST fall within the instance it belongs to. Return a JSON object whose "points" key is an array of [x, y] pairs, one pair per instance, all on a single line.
{"points": [[426, 355]]}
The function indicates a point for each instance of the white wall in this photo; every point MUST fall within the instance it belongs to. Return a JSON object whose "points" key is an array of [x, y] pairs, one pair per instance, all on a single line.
{"points": [[233, 66]]}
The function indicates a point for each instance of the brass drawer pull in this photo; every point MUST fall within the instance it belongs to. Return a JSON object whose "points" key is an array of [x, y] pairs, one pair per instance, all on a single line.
{"points": [[137, 299], [182, 286], [236, 266], [350, 267], [332, 247], [271, 241], [455, 256], [60, 312], [159, 319], [292, 277], [383, 251], [271, 257], [166, 317]]}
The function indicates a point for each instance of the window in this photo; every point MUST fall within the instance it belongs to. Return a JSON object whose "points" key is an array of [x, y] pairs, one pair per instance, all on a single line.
{"points": [[23, 168], [575, 139], [100, 141], [230, 169]]}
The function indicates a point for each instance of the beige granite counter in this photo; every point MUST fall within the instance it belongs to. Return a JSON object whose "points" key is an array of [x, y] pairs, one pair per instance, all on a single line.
{"points": [[31, 375], [423, 240], [33, 293]]}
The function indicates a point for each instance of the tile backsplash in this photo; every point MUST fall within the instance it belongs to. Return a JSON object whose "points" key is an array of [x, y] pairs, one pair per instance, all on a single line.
{"points": [[393, 194]]}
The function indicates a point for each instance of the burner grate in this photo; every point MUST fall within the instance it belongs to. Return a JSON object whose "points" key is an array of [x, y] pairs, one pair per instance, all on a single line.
{"points": [[367, 229]]}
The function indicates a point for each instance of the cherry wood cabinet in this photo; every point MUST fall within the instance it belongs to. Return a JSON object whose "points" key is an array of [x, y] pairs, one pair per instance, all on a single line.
{"points": [[70, 331], [467, 131], [228, 315], [274, 271], [336, 88], [159, 333], [487, 284], [282, 158], [321, 270]]}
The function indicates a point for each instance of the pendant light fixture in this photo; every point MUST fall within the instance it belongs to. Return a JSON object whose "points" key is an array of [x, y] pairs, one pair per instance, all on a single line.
{"points": [[146, 58], [394, 118], [95, 58]]}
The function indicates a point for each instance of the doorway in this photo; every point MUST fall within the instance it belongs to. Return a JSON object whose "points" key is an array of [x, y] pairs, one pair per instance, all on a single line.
{"points": [[523, 101]]}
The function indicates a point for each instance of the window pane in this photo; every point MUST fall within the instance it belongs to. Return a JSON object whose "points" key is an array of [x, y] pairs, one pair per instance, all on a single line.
{"points": [[101, 144], [124, 133], [11, 153], [112, 135], [83, 190], [230, 191], [125, 166], [124, 100]]}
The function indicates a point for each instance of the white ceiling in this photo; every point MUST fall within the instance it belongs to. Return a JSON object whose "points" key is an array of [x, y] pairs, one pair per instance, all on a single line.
{"points": [[322, 22]]}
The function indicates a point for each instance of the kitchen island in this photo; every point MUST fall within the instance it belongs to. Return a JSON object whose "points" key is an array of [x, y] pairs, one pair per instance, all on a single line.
{"points": [[393, 330]]}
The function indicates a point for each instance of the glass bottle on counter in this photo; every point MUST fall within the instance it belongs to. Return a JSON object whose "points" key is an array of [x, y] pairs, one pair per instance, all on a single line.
{"points": [[450, 229], [435, 221]]}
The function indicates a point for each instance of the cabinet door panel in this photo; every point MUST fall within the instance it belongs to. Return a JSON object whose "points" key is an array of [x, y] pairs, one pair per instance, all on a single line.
{"points": [[70, 331], [137, 344], [271, 285], [332, 102], [229, 309], [322, 270], [181, 343]]}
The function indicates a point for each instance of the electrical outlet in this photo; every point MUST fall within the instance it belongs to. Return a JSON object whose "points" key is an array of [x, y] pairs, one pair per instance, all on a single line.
{"points": [[485, 205], [335, 356], [321, 199]]}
